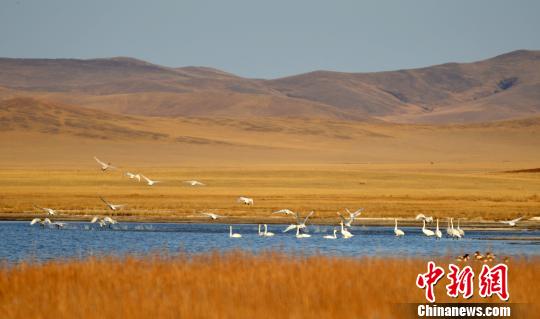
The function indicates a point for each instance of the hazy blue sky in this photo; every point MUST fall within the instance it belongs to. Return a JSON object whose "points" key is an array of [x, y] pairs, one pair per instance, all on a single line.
{"points": [[271, 38]]}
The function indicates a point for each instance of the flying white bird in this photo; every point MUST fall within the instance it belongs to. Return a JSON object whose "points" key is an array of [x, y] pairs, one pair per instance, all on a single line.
{"points": [[104, 166], [285, 211], [426, 231], [149, 181], [134, 176], [344, 232], [211, 215], [103, 221], [109, 220], [352, 216], [424, 217], [266, 232], [331, 236], [397, 231], [438, 232], [49, 211], [113, 207], [233, 235], [42, 222], [245, 200], [512, 222], [290, 227], [194, 183], [302, 224]]}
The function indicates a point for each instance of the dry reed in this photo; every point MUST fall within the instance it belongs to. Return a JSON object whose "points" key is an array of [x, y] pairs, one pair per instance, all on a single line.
{"points": [[234, 285]]}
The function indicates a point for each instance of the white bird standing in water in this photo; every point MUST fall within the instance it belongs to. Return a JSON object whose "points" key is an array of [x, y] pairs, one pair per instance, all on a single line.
{"points": [[398, 231], [344, 232], [352, 216], [438, 232], [426, 231], [512, 222], [299, 235], [449, 229], [454, 232], [49, 211], [149, 181], [460, 231], [245, 200], [113, 207], [233, 235], [194, 183], [266, 232], [104, 166], [331, 236]]}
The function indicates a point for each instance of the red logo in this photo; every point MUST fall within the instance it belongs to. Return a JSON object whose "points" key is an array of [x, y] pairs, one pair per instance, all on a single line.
{"points": [[429, 279], [492, 280]]}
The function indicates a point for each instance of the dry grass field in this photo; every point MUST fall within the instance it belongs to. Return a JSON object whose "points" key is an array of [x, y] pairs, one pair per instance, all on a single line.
{"points": [[236, 285], [383, 190]]}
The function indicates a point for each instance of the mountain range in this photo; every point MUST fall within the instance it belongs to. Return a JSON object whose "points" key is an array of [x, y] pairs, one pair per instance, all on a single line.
{"points": [[504, 87]]}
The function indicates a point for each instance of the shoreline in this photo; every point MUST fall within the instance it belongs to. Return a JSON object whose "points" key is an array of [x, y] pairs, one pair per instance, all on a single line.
{"points": [[485, 225]]}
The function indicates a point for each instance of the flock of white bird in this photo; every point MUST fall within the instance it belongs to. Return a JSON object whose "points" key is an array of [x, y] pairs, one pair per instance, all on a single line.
{"points": [[300, 223]]}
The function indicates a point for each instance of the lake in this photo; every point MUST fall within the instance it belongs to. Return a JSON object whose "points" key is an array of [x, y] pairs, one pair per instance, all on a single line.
{"points": [[20, 241]]}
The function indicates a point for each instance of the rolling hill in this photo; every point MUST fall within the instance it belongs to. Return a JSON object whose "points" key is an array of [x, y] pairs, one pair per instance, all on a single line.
{"points": [[501, 88]]}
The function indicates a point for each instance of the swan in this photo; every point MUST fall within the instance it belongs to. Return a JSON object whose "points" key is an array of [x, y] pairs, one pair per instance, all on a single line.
{"points": [[104, 166], [331, 236], [424, 217], [352, 216], [438, 232], [245, 200], [397, 231], [49, 211], [266, 232], [113, 207], [302, 224], [211, 215], [454, 232], [290, 227], [285, 211], [426, 231], [41, 222], [259, 232], [460, 231], [134, 176], [149, 181], [109, 220], [299, 235], [512, 222], [344, 232], [448, 229], [233, 235], [194, 183]]}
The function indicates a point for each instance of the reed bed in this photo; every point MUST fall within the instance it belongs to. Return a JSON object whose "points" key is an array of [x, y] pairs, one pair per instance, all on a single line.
{"points": [[234, 285]]}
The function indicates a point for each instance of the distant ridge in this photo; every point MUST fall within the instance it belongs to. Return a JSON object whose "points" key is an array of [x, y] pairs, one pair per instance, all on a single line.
{"points": [[500, 88]]}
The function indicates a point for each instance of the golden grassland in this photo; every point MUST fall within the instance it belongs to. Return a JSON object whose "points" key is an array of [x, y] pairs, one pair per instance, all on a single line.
{"points": [[441, 190], [237, 285]]}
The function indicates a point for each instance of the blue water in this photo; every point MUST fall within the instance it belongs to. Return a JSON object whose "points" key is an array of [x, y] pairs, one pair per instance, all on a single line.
{"points": [[20, 241]]}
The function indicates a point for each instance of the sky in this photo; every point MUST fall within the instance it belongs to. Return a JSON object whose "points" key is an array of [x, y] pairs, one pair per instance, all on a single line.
{"points": [[271, 39]]}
